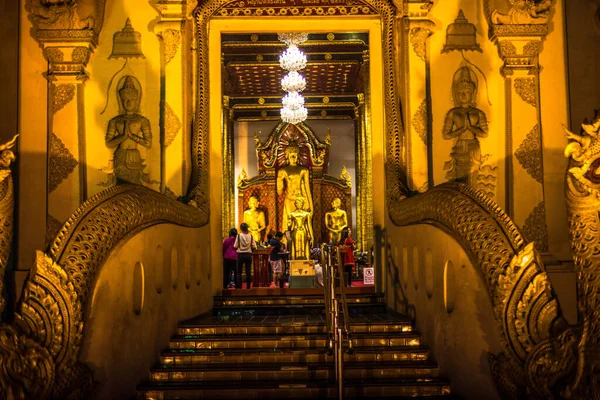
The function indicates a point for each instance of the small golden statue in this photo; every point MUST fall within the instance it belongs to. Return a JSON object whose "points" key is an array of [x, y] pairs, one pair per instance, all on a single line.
{"points": [[255, 219], [336, 221], [300, 226], [466, 124], [296, 181], [125, 132]]}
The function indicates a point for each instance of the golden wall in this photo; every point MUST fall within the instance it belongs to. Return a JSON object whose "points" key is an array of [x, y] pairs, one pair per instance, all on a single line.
{"points": [[149, 284]]}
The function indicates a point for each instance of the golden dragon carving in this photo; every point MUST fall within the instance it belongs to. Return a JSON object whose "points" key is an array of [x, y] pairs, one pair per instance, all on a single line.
{"points": [[39, 352], [543, 356]]}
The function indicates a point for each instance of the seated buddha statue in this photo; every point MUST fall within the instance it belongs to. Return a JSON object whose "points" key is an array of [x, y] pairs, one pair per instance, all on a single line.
{"points": [[335, 221], [293, 181], [465, 124], [255, 219], [300, 226], [125, 132]]}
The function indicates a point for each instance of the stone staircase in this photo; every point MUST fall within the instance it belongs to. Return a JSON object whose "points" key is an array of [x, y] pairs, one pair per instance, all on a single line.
{"points": [[262, 347]]}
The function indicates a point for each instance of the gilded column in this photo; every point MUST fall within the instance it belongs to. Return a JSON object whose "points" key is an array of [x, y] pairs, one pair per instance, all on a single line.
{"points": [[519, 46], [417, 95], [364, 163], [176, 93], [228, 189], [67, 52]]}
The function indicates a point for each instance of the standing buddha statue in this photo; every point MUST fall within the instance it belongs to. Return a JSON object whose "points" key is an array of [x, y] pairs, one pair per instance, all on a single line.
{"points": [[335, 221], [255, 219], [300, 226], [294, 180]]}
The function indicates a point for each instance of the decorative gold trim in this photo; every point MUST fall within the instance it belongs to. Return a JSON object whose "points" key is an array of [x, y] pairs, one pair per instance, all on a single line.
{"points": [[529, 154], [61, 96], [172, 125], [61, 163]]}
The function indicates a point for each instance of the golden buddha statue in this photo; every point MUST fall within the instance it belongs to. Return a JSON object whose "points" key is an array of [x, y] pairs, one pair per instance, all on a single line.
{"points": [[335, 221], [300, 226], [295, 180], [466, 124], [125, 132], [255, 219]]}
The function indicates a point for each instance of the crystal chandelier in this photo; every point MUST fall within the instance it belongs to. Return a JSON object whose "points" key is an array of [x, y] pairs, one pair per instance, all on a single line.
{"points": [[293, 60]]}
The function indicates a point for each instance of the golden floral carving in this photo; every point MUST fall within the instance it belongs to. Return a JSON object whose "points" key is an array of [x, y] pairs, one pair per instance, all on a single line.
{"points": [[171, 39], [81, 54], [54, 54], [527, 90], [535, 228], [507, 49], [419, 121], [418, 39], [61, 163], [172, 125], [346, 177], [61, 96], [529, 154], [532, 49]]}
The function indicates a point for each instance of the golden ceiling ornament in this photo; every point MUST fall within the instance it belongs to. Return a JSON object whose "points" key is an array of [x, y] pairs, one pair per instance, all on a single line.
{"points": [[461, 35]]}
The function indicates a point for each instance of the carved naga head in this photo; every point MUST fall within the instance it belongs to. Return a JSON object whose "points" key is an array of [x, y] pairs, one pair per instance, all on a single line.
{"points": [[583, 176]]}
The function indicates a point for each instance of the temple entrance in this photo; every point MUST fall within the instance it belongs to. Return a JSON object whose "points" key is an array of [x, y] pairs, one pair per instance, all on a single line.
{"points": [[335, 145]]}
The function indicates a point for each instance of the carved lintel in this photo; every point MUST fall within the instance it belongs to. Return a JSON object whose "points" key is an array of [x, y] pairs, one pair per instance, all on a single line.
{"points": [[68, 51], [519, 46]]}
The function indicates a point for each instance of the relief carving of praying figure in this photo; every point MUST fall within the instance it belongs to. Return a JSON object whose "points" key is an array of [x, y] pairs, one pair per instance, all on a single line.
{"points": [[335, 221], [255, 219], [126, 132], [300, 226], [293, 181], [465, 124]]}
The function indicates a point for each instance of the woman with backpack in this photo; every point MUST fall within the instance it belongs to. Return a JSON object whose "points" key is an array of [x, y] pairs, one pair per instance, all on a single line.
{"points": [[244, 244]]}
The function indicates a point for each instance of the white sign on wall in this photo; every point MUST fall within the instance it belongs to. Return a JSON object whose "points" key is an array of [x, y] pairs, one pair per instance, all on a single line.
{"points": [[369, 276]]}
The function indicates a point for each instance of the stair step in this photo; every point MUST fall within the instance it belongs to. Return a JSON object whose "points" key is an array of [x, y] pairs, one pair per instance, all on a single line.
{"points": [[296, 389], [290, 355], [262, 372], [288, 341], [221, 301]]}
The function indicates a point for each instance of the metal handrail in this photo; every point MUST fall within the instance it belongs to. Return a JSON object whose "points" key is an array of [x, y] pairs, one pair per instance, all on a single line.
{"points": [[338, 334]]}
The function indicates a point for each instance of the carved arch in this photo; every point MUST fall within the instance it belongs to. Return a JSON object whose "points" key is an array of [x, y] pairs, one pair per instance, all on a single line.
{"points": [[388, 11]]}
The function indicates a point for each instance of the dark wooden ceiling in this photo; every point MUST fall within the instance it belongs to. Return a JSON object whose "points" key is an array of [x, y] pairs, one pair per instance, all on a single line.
{"points": [[333, 75]]}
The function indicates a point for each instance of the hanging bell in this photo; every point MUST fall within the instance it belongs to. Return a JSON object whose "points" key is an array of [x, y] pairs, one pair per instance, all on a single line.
{"points": [[461, 35], [127, 43]]}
